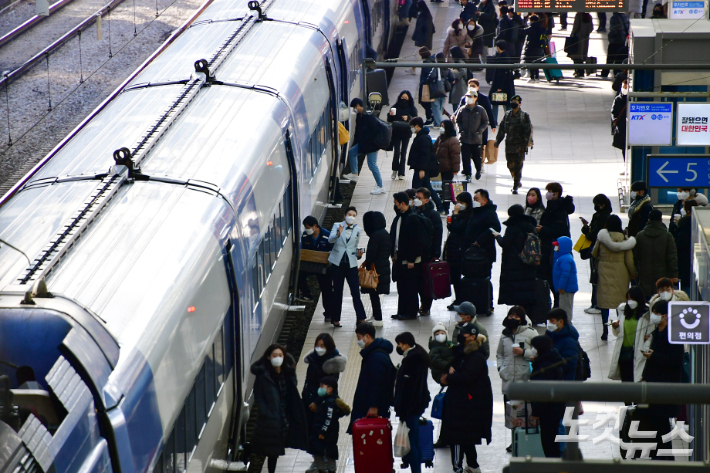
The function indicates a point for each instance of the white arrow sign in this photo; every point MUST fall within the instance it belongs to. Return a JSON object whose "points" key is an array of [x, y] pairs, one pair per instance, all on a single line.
{"points": [[661, 171]]}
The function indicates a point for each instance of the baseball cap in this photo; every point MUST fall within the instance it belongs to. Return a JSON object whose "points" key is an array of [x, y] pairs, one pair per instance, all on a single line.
{"points": [[471, 93], [468, 329], [466, 308]]}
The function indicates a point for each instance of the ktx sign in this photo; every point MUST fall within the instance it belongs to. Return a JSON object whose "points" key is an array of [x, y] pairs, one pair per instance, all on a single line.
{"points": [[689, 322], [650, 124], [678, 170]]}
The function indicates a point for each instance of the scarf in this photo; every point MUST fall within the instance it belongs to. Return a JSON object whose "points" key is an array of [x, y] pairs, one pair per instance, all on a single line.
{"points": [[638, 203]]}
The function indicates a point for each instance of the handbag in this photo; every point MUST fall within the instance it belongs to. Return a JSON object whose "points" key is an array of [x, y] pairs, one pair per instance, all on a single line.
{"points": [[436, 87], [499, 97], [369, 279], [594, 277], [582, 243], [343, 134], [437, 406], [401, 440], [491, 152], [426, 95]]}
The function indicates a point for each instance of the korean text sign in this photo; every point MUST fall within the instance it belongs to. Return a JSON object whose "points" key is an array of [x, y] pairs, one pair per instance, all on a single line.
{"points": [[650, 124], [693, 124]]}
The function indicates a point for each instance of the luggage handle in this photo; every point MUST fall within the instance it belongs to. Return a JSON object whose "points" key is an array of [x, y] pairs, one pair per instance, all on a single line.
{"points": [[527, 428]]}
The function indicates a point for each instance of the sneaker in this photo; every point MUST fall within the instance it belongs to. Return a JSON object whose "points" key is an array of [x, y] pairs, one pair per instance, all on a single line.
{"points": [[350, 177], [515, 190], [469, 469], [443, 213], [400, 178], [478, 175], [424, 313], [428, 122], [378, 190], [377, 323], [468, 178], [312, 469], [592, 310], [394, 175]]}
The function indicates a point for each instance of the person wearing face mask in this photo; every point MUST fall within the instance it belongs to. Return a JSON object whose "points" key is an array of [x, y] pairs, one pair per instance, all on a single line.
{"points": [[564, 275], [665, 291], [365, 124], [448, 152], [658, 12], [684, 194], [565, 338], [420, 154], [547, 365], [537, 40], [425, 209], [377, 254], [455, 37], [482, 100], [472, 121], [534, 207], [425, 54], [459, 77], [517, 130], [655, 253], [323, 360], [325, 429], [466, 315], [401, 112], [664, 364], [468, 405], [440, 351], [282, 418], [602, 210], [373, 394], [468, 11], [633, 331], [411, 393], [455, 243], [619, 120], [615, 267], [315, 238], [640, 208], [345, 237], [476, 48], [683, 234]]}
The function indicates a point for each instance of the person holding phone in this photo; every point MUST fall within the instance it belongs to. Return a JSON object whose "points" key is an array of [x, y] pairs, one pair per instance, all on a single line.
{"points": [[633, 332], [345, 237], [602, 210]]}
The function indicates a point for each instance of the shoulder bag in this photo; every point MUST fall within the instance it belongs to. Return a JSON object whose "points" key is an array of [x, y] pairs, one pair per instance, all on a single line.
{"points": [[369, 279]]}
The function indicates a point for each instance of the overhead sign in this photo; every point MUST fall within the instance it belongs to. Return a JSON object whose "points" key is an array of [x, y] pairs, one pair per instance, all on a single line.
{"points": [[678, 170], [692, 124], [650, 124], [571, 6], [686, 10], [689, 322]]}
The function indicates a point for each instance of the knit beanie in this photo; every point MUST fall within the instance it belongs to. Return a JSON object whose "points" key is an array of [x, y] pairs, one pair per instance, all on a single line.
{"points": [[438, 327]]}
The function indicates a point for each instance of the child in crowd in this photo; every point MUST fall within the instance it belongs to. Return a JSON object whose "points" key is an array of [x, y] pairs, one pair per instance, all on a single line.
{"points": [[564, 275], [330, 408]]}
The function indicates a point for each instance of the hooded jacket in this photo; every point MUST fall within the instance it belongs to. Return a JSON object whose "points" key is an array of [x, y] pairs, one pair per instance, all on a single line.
{"points": [[441, 354], [403, 108], [517, 279], [615, 266], [327, 423], [655, 256], [330, 364], [644, 328], [429, 211], [411, 394], [373, 384], [555, 224], [379, 248], [639, 211], [478, 229], [448, 152], [456, 239], [485, 344], [420, 151], [566, 341], [514, 367], [564, 273]]}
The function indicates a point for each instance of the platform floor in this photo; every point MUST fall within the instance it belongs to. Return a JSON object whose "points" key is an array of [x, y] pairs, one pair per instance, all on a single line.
{"points": [[573, 147]]}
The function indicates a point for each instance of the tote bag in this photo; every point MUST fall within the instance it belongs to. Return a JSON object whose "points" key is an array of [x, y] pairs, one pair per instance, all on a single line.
{"points": [[369, 279]]}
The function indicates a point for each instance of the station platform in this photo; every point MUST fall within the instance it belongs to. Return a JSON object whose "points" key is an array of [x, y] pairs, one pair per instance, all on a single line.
{"points": [[572, 146]]}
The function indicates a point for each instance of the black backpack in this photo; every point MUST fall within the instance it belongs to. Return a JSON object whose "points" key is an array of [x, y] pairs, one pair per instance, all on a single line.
{"points": [[476, 263], [584, 370], [382, 135]]}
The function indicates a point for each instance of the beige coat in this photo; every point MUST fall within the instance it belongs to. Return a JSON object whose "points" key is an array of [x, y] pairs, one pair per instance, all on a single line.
{"points": [[616, 267], [641, 343], [454, 39]]}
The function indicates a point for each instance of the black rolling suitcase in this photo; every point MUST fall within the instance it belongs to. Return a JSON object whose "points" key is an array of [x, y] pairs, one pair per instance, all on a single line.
{"points": [[478, 292], [377, 82], [543, 302]]}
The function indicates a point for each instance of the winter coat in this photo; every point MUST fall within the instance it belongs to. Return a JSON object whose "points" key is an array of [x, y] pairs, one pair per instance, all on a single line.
{"points": [[485, 346], [478, 229], [537, 40], [468, 12], [502, 78], [553, 410], [468, 404], [378, 250], [483, 101], [420, 151], [403, 108], [327, 423], [429, 211], [424, 31], [476, 40], [514, 367], [638, 215], [566, 340], [598, 222], [555, 224], [615, 265], [643, 329], [702, 201], [455, 243], [441, 355], [535, 212], [665, 365], [373, 384], [411, 243], [458, 91], [655, 256], [678, 295], [366, 127], [517, 279], [564, 273], [448, 152], [424, 76], [330, 364], [411, 395], [618, 119], [619, 27], [472, 122], [683, 244], [508, 31], [271, 438], [488, 19], [517, 130], [454, 38], [583, 31]]}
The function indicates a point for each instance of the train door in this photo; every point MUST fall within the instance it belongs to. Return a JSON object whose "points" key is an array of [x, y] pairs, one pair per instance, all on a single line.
{"points": [[332, 127], [344, 72], [234, 343], [367, 20]]}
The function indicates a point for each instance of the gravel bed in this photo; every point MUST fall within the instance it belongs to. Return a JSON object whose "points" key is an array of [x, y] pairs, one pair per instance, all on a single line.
{"points": [[34, 130], [15, 14]]}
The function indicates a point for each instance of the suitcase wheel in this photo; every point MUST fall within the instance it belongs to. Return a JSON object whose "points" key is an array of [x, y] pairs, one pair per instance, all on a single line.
{"points": [[429, 464]]}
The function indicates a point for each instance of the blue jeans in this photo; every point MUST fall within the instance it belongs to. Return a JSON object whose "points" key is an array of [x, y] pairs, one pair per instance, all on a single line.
{"points": [[437, 107], [371, 163], [417, 182], [495, 110], [414, 457]]}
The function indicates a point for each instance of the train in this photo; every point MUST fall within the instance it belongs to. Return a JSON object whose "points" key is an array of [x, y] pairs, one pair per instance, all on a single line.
{"points": [[152, 256]]}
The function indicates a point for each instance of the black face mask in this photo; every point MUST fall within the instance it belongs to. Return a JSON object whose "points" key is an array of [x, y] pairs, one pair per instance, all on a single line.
{"points": [[511, 324], [461, 338], [514, 105], [597, 208], [396, 210], [400, 351]]}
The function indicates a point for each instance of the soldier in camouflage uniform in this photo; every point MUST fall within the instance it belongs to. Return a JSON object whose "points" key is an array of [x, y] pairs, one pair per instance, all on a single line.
{"points": [[517, 130]]}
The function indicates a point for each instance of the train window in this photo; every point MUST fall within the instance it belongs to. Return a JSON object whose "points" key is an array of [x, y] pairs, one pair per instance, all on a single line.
{"points": [[262, 272], [278, 220], [180, 451], [210, 387], [274, 251], [267, 256], [287, 209], [255, 292], [200, 401], [190, 425]]}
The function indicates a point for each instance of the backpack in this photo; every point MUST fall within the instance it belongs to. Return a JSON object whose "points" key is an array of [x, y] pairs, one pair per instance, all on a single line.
{"points": [[382, 133], [583, 371], [532, 250], [391, 378]]}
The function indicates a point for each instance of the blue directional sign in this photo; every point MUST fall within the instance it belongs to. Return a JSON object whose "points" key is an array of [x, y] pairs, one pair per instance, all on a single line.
{"points": [[678, 170]]}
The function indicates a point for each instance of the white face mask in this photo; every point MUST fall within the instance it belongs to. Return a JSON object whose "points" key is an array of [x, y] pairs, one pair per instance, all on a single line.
{"points": [[470, 27], [549, 195], [320, 351], [361, 343], [683, 213], [624, 91], [414, 131], [309, 231], [418, 203], [442, 130], [441, 338], [533, 353], [551, 327], [349, 219], [458, 318], [666, 295], [476, 204], [656, 319], [632, 194], [462, 206], [470, 100], [277, 361], [632, 304], [683, 195]]}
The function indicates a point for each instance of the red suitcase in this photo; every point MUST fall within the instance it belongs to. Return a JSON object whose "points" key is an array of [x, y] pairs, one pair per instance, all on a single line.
{"points": [[372, 445], [437, 279]]}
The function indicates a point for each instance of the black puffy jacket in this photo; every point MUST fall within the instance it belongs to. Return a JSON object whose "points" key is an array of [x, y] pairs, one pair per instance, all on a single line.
{"points": [[555, 224], [421, 151], [326, 422], [411, 394], [542, 371], [455, 242], [411, 244], [429, 211], [517, 279], [366, 127], [379, 248], [478, 229]]}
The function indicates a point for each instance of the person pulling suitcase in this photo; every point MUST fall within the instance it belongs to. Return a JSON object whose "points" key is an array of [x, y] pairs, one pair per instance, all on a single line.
{"points": [[424, 207]]}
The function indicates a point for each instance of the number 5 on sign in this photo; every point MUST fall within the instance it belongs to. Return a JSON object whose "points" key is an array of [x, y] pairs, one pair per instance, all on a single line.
{"points": [[695, 174]]}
